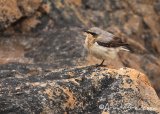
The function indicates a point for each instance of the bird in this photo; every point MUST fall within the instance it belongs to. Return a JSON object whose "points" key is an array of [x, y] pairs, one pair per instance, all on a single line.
{"points": [[103, 44]]}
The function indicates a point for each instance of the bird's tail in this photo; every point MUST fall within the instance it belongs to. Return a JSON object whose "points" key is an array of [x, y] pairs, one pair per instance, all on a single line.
{"points": [[126, 47]]}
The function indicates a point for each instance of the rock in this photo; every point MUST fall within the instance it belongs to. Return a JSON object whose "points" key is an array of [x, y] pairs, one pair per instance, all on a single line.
{"points": [[49, 33], [90, 4], [134, 25], [157, 6], [155, 46], [9, 13], [28, 7], [32, 89], [63, 48], [60, 48], [16, 10]]}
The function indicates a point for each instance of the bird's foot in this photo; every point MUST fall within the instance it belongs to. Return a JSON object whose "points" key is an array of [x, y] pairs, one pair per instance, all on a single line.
{"points": [[100, 65]]}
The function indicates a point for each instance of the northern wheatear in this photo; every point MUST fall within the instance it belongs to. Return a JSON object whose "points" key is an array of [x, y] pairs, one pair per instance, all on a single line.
{"points": [[102, 44]]}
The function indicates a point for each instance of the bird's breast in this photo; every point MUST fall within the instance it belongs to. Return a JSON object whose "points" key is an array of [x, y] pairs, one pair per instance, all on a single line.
{"points": [[101, 52], [89, 41]]}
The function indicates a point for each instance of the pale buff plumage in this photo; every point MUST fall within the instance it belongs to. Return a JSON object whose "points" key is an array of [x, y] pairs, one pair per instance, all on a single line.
{"points": [[99, 51]]}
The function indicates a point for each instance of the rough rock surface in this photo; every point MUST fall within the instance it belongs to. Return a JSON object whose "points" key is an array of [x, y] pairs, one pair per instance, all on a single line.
{"points": [[14, 10], [46, 35], [30, 89]]}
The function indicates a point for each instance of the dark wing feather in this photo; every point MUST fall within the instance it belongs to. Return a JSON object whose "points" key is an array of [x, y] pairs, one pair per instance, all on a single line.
{"points": [[115, 42]]}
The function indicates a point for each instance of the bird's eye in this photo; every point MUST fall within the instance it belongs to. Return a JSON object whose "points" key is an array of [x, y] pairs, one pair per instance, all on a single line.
{"points": [[94, 34]]}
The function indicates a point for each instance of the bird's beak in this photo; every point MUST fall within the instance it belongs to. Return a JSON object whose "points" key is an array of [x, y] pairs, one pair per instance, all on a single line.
{"points": [[87, 31], [92, 33]]}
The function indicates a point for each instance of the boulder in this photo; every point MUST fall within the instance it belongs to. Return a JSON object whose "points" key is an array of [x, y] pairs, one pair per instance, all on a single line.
{"points": [[39, 36], [29, 89]]}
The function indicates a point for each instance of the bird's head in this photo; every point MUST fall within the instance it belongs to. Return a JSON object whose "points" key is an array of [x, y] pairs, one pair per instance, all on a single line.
{"points": [[94, 31]]}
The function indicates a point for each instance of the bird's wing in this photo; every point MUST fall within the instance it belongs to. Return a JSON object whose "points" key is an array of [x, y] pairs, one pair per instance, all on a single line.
{"points": [[110, 40]]}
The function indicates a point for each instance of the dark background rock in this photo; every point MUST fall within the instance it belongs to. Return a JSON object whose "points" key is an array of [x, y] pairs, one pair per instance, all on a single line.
{"points": [[47, 34]]}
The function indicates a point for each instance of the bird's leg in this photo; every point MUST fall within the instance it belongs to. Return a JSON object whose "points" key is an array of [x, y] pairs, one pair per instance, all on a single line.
{"points": [[101, 63]]}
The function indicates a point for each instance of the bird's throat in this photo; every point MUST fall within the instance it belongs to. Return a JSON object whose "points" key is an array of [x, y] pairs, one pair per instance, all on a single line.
{"points": [[89, 41]]}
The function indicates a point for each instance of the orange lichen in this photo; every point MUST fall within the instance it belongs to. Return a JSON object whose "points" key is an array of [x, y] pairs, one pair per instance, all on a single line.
{"points": [[9, 11], [49, 92], [46, 8], [71, 101], [71, 74], [58, 4], [74, 2], [133, 74], [28, 7], [29, 23], [42, 84], [105, 112], [73, 80]]}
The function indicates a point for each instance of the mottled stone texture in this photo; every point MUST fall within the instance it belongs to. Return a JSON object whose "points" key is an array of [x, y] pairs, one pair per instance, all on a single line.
{"points": [[46, 35], [9, 13], [12, 11], [30, 89]]}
